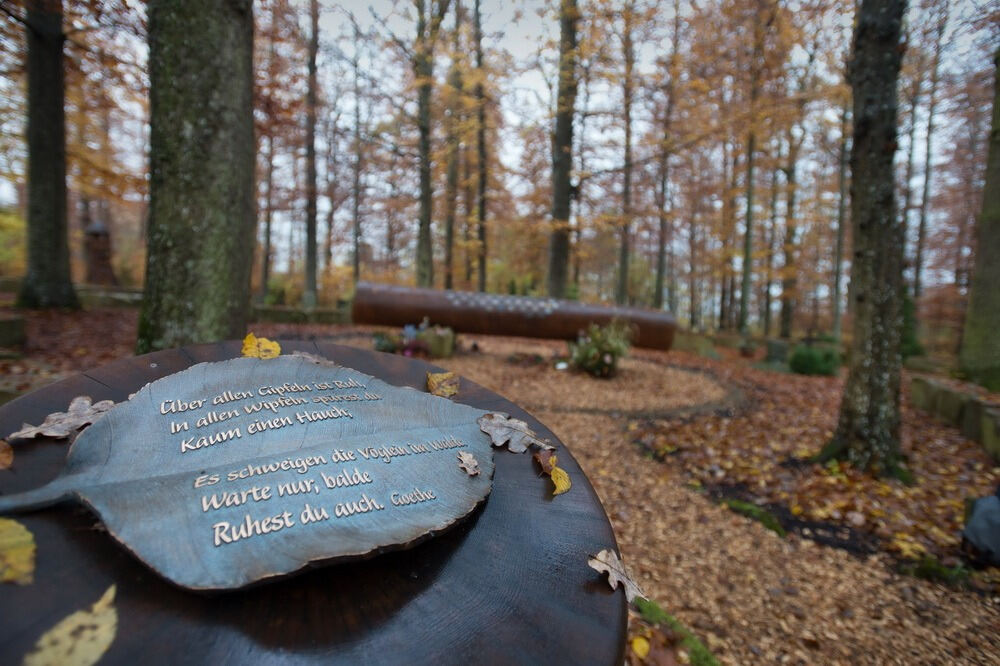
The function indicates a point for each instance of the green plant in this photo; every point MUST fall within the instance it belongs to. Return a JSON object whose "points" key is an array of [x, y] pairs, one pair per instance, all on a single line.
{"points": [[651, 612], [930, 568], [814, 361], [598, 350], [754, 512]]}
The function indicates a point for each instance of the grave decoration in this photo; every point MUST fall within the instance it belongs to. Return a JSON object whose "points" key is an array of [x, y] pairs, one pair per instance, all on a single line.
{"points": [[234, 472]]}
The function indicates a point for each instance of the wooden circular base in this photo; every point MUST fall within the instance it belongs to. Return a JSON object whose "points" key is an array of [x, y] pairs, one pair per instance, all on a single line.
{"points": [[510, 585]]}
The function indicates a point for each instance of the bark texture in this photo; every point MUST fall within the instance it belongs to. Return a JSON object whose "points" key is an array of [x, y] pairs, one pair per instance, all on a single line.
{"points": [[979, 356], [428, 25], [482, 180], [868, 428], [201, 215], [47, 282], [309, 293], [562, 150]]}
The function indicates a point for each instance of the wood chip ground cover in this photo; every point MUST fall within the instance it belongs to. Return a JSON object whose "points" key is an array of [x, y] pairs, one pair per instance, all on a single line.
{"points": [[751, 596]]}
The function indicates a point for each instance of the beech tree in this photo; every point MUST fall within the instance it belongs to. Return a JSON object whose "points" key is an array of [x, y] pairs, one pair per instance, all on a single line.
{"points": [[867, 431], [201, 211], [562, 150], [430, 14], [309, 294], [979, 356], [47, 282]]}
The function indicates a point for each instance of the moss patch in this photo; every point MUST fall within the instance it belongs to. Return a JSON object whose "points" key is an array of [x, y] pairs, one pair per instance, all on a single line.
{"points": [[754, 512], [651, 612]]}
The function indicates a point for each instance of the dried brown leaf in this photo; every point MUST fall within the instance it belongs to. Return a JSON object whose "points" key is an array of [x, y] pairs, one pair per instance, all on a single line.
{"points": [[468, 462], [63, 424], [513, 432], [607, 561], [545, 459]]}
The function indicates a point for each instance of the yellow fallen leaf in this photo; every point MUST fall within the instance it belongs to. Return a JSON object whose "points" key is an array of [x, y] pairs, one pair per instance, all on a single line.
{"points": [[907, 546], [442, 384], [80, 639], [640, 646], [6, 455], [254, 347], [17, 552], [560, 478]]}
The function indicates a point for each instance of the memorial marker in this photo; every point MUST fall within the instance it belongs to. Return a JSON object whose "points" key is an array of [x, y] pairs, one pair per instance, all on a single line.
{"points": [[233, 472]]}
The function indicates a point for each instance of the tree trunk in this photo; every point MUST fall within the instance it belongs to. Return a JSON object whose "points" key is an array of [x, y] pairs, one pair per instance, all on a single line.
{"points": [[755, 75], [201, 212], [692, 267], [772, 232], [309, 293], [48, 282], [789, 278], [914, 99], [468, 207], [358, 166], [665, 150], [481, 149], [628, 87], [423, 71], [979, 356], [838, 257], [265, 257], [868, 428], [928, 147], [452, 140], [562, 150]]}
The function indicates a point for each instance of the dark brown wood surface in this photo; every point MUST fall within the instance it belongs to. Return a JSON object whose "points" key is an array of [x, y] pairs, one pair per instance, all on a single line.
{"points": [[510, 585]]}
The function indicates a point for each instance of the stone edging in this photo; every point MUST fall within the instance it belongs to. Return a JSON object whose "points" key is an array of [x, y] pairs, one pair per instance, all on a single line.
{"points": [[977, 419]]}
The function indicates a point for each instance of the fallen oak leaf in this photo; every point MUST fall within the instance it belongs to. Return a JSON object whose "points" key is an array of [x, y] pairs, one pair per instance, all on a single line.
{"points": [[513, 432], [6, 455], [81, 638], [63, 424], [607, 561], [315, 358], [254, 347], [468, 462], [442, 384], [17, 553]]}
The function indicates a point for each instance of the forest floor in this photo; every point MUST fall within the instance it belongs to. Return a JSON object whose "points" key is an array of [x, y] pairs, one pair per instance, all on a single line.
{"points": [[666, 443]]}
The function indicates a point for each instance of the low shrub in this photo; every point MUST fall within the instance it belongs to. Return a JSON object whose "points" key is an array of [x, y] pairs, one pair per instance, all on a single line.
{"points": [[814, 361], [599, 348]]}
